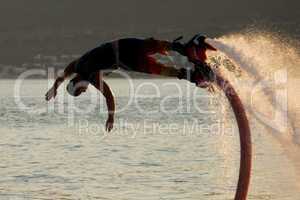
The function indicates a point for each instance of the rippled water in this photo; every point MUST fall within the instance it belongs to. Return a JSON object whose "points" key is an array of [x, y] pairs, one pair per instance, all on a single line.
{"points": [[60, 151]]}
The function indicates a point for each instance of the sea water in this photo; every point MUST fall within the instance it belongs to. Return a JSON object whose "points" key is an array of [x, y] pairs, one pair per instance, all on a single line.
{"points": [[170, 141]]}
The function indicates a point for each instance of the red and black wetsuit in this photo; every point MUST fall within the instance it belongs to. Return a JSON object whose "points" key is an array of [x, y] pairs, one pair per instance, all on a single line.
{"points": [[129, 54]]}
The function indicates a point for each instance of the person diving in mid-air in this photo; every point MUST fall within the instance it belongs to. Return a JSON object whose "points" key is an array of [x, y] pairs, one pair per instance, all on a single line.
{"points": [[136, 55]]}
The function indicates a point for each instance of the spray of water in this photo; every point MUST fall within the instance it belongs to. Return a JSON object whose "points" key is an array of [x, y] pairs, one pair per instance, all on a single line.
{"points": [[270, 73]]}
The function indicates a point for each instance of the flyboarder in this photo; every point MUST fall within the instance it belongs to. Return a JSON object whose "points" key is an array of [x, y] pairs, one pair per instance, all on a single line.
{"points": [[133, 54]]}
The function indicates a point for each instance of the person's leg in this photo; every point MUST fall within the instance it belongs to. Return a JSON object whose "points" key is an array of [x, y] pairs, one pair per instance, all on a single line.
{"points": [[153, 67], [196, 75]]}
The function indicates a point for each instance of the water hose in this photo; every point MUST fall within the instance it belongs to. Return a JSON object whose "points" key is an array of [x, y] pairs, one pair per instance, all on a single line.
{"points": [[245, 137]]}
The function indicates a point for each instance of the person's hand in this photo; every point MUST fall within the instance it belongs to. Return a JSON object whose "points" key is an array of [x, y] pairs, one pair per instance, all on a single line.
{"points": [[51, 94], [109, 124]]}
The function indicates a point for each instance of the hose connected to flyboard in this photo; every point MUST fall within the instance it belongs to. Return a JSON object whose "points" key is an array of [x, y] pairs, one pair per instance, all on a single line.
{"points": [[245, 137]]}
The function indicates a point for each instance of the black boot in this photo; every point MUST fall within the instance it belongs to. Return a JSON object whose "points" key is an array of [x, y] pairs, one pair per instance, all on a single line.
{"points": [[204, 70], [184, 74]]}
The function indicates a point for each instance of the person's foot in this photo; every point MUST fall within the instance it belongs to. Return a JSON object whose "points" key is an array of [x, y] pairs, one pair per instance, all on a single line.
{"points": [[200, 81], [202, 84]]}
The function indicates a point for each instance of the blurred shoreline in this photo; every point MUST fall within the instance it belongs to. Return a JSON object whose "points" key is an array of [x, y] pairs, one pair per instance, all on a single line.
{"points": [[40, 34]]}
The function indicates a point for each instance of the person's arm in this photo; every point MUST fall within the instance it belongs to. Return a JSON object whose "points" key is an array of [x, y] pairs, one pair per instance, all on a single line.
{"points": [[102, 86], [69, 70]]}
